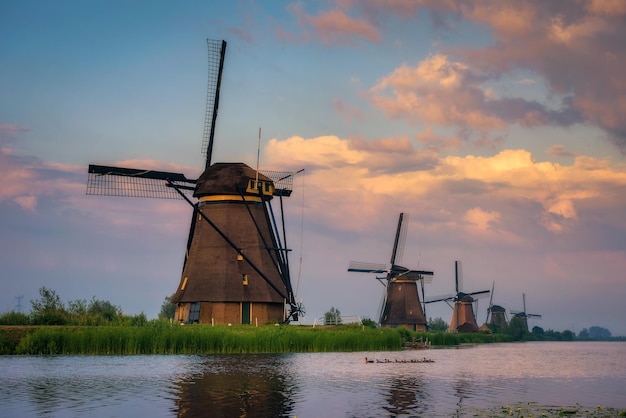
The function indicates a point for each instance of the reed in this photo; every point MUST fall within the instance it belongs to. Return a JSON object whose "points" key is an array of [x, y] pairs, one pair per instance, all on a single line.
{"points": [[161, 338]]}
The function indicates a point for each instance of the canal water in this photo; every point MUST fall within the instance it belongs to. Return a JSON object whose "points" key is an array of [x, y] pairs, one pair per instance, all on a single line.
{"points": [[458, 382]]}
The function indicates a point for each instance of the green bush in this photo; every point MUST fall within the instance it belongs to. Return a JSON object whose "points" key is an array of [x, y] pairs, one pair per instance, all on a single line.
{"points": [[14, 318]]}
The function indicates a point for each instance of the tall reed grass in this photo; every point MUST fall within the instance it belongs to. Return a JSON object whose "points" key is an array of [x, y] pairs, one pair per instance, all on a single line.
{"points": [[162, 338]]}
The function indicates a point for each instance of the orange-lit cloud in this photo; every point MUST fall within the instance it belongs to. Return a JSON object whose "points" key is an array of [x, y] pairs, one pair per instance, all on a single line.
{"points": [[503, 194]]}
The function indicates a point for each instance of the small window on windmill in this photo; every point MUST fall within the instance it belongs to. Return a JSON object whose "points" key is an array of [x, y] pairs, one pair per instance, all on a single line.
{"points": [[267, 187], [244, 279], [182, 286]]}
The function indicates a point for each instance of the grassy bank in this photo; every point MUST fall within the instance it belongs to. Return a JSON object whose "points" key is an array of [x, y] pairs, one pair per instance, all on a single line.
{"points": [[160, 337]]}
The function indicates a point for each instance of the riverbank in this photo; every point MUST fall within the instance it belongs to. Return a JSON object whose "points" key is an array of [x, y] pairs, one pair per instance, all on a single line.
{"points": [[160, 337]]}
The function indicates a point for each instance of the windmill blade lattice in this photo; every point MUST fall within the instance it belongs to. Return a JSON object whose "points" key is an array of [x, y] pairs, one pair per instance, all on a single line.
{"points": [[130, 182], [217, 51]]}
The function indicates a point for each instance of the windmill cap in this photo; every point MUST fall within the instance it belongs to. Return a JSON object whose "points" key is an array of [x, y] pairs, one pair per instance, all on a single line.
{"points": [[226, 179]]}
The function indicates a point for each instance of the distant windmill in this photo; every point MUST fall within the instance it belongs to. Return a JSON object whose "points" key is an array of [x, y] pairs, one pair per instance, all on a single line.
{"points": [[523, 315], [463, 318], [496, 314], [401, 305], [236, 268]]}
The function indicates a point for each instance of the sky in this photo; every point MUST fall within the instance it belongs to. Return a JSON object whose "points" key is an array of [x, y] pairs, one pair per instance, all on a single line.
{"points": [[498, 127]]}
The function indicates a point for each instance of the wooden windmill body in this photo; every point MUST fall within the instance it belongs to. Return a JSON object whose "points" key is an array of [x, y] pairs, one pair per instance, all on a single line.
{"points": [[401, 304], [463, 317], [235, 269]]}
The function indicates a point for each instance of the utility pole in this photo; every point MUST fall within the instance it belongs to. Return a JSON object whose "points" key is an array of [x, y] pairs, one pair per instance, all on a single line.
{"points": [[19, 303]]}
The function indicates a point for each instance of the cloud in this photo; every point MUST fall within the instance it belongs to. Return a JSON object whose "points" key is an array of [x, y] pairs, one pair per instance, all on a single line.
{"points": [[481, 220], [348, 112], [577, 49], [7, 129], [440, 92], [559, 151], [607, 7], [335, 26], [505, 20], [508, 193]]}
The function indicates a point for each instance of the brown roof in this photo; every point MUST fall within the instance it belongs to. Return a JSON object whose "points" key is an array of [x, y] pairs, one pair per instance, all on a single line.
{"points": [[225, 178]]}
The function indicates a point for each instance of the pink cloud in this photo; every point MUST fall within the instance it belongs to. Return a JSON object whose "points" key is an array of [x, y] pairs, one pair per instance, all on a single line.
{"points": [[383, 145], [441, 92], [335, 26], [559, 151], [348, 111], [9, 129], [576, 48]]}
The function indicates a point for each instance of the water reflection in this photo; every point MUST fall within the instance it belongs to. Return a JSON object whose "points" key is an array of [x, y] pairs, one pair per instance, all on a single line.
{"points": [[238, 386], [457, 383], [407, 395]]}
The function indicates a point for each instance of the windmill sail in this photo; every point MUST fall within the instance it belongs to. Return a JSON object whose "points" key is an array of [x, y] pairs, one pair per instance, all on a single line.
{"points": [[131, 182], [217, 52]]}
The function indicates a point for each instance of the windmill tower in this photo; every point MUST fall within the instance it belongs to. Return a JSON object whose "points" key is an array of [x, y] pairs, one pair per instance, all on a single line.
{"points": [[463, 318], [401, 306], [496, 314], [523, 315], [235, 268]]}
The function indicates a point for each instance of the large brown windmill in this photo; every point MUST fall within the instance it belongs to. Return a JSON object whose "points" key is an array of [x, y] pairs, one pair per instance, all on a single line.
{"points": [[236, 268], [463, 318], [401, 305]]}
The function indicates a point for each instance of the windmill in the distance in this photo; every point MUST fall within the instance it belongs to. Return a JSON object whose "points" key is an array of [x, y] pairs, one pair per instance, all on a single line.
{"points": [[463, 318], [496, 314], [401, 306], [236, 268], [523, 315]]}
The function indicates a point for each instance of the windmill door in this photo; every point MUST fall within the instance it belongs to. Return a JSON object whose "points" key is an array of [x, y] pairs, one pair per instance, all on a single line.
{"points": [[194, 313], [245, 312]]}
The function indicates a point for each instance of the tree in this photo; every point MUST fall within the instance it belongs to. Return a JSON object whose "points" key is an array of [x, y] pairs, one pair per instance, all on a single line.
{"points": [[584, 334], [599, 333], [49, 309], [437, 324], [104, 309], [517, 328], [332, 317], [369, 322], [168, 309], [537, 330]]}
